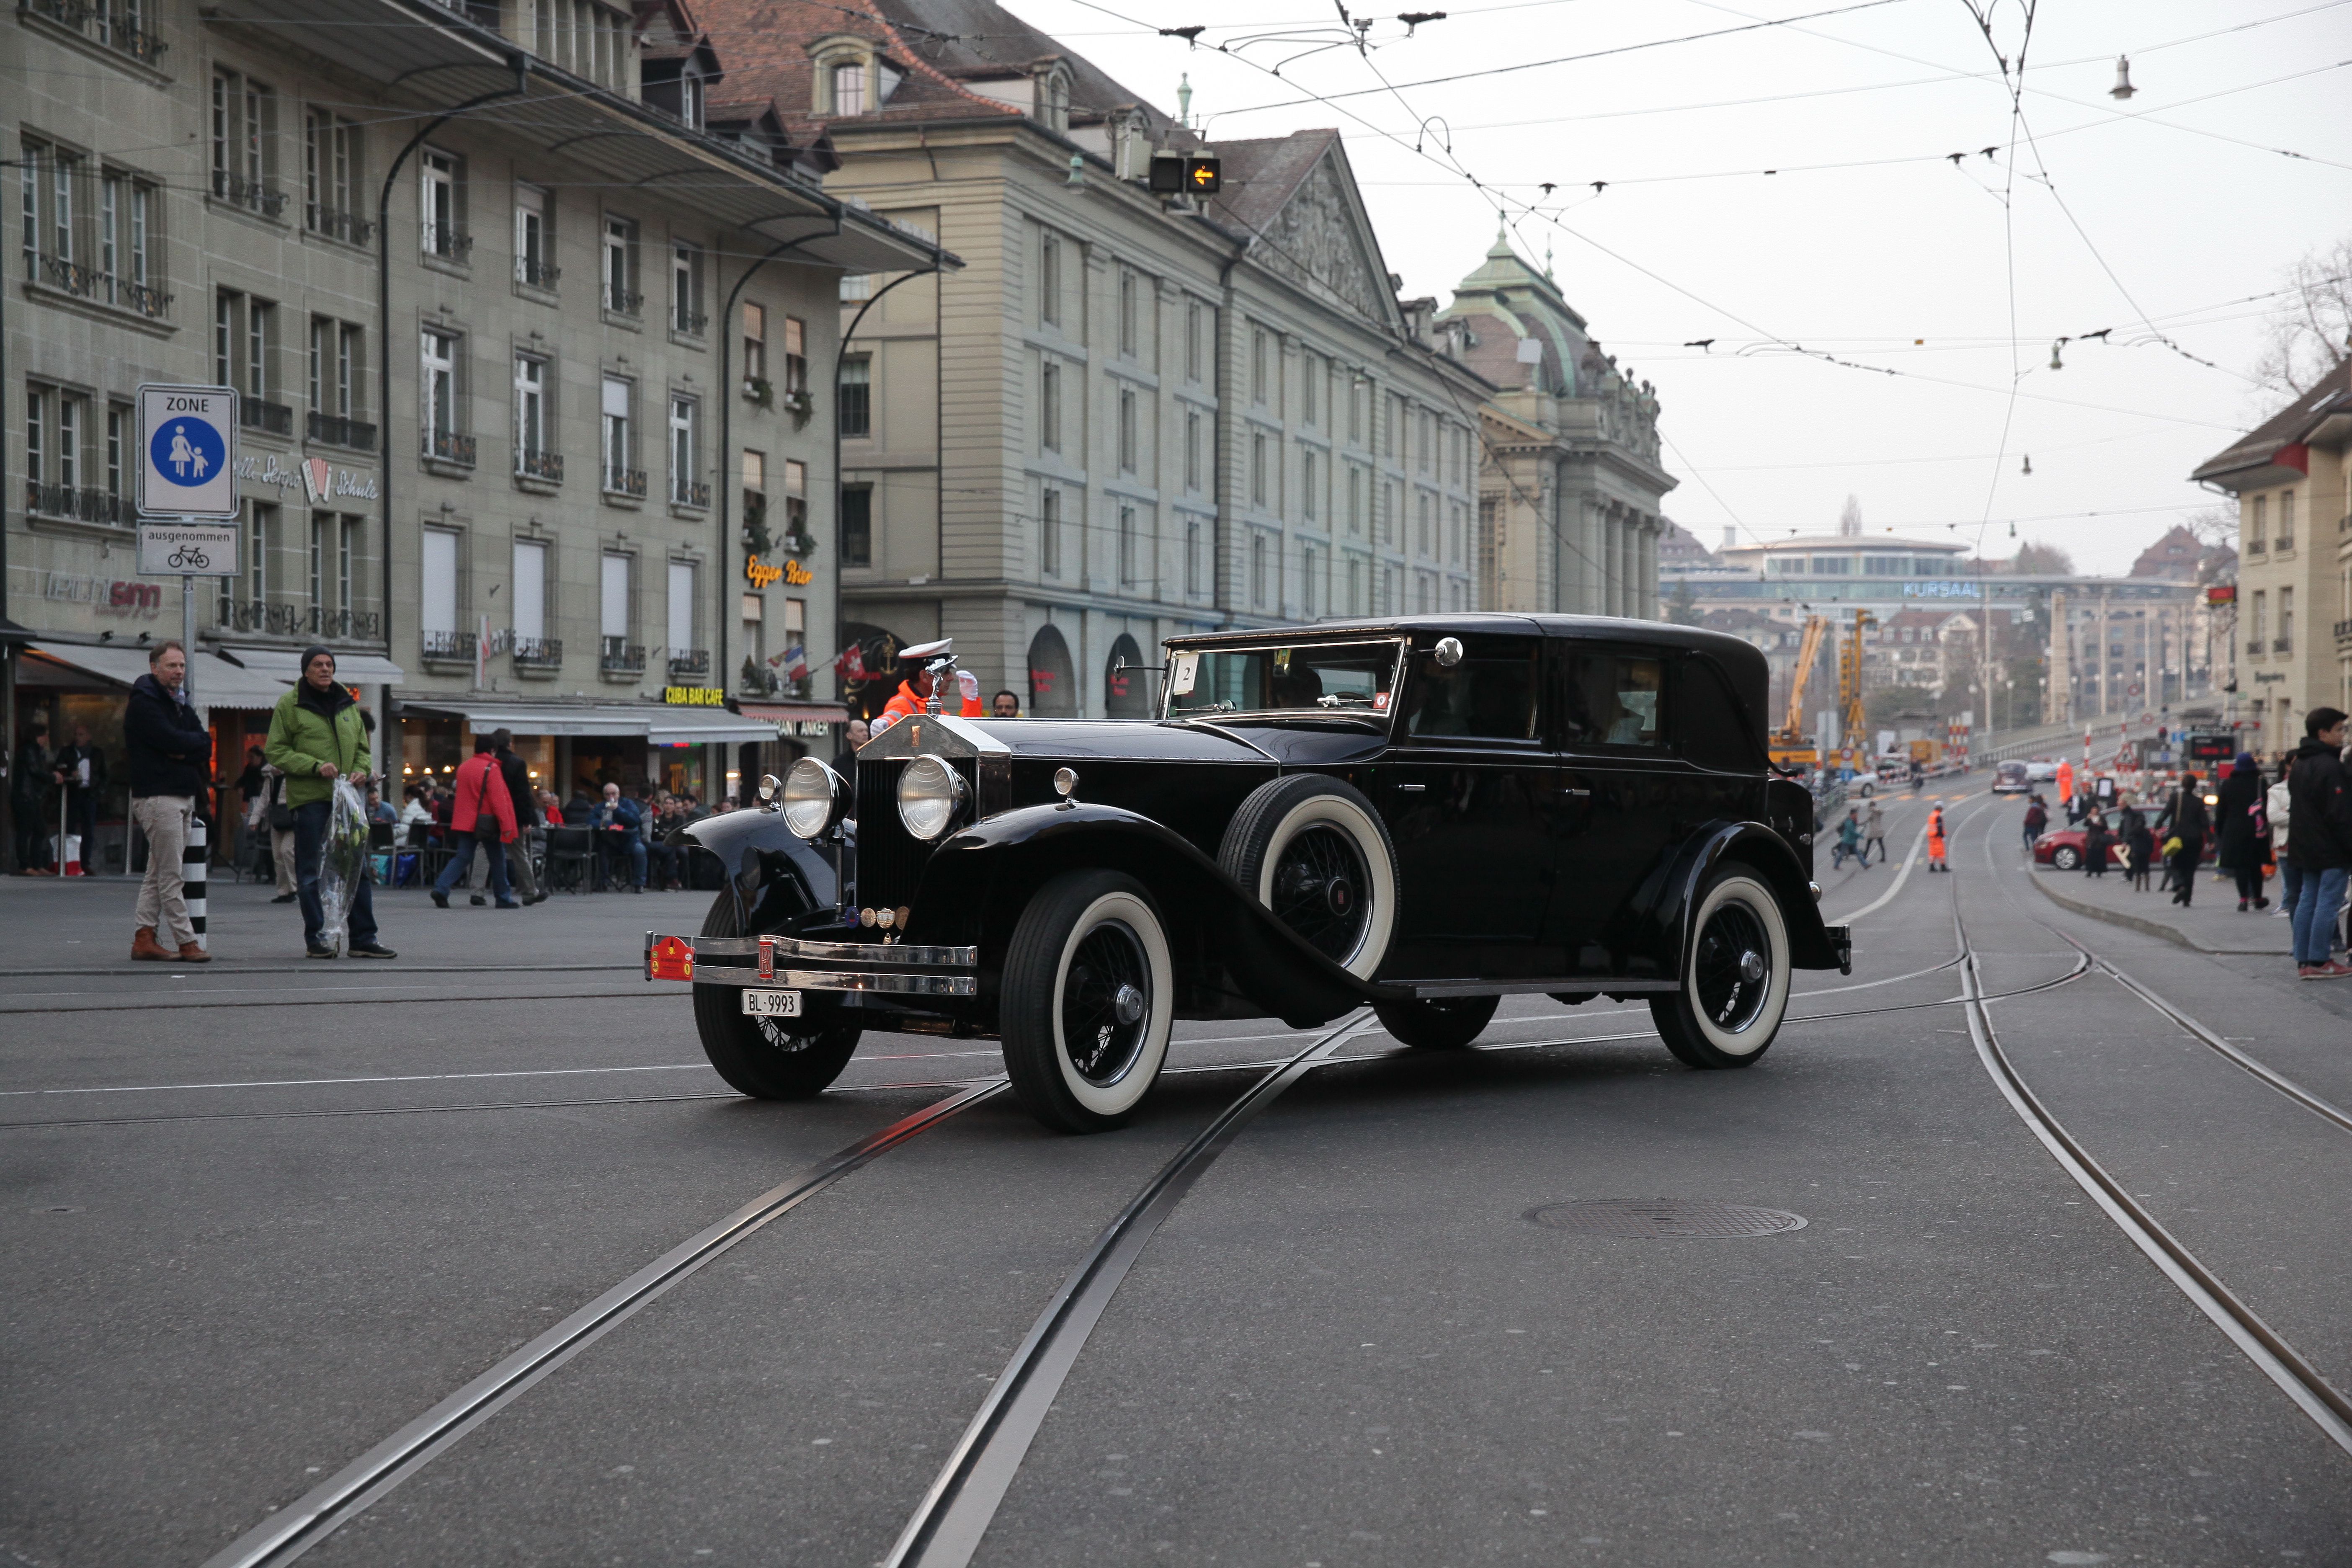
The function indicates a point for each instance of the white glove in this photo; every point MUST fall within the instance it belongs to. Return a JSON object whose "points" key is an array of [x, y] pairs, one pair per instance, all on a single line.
{"points": [[969, 685]]}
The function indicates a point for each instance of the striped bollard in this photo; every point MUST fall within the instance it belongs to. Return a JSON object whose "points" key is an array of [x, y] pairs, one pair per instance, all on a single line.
{"points": [[191, 878]]}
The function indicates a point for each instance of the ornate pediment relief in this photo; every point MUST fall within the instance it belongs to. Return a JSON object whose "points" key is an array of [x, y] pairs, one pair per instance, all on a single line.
{"points": [[1318, 240]]}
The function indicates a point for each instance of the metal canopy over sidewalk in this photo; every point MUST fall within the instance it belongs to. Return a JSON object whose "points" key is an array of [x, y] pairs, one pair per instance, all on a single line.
{"points": [[218, 683], [659, 726]]}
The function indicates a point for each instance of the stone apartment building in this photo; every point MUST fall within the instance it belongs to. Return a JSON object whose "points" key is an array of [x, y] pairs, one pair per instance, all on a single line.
{"points": [[2293, 640], [509, 324], [1571, 484], [1126, 417]]}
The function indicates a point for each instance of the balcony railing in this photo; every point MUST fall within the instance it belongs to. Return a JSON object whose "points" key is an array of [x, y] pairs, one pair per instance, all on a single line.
{"points": [[274, 418], [112, 29], [148, 301], [539, 653], [2281, 645], [690, 661], [336, 224], [2256, 546], [630, 482], [448, 647], [2342, 632], [691, 322], [341, 430], [545, 466], [449, 446], [70, 276], [2254, 645], [250, 195], [344, 625], [689, 492], [538, 274], [622, 301], [450, 244], [80, 504], [234, 615], [619, 656]]}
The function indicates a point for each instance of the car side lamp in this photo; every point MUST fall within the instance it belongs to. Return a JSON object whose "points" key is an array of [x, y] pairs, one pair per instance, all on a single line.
{"points": [[1066, 784]]}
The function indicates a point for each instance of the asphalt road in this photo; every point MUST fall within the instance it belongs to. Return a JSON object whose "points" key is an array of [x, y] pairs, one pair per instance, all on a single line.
{"points": [[263, 1214]]}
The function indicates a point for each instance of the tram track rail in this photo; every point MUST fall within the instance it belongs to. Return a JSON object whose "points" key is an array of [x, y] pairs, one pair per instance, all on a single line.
{"points": [[954, 1514], [2311, 1392]]}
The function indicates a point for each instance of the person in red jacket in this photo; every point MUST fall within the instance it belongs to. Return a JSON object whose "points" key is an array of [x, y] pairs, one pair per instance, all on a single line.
{"points": [[482, 810], [915, 691]]}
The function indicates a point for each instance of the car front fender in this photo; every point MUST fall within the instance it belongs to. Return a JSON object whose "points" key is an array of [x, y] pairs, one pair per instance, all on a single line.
{"points": [[1662, 910], [977, 883], [773, 873]]}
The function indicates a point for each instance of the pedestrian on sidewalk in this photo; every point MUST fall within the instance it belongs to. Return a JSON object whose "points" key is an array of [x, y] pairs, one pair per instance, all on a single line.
{"points": [[2183, 828], [1936, 841], [36, 775], [82, 767], [2235, 817], [171, 755], [2140, 844], [2279, 806], [483, 810], [2321, 795], [2095, 841], [1874, 832], [1849, 842], [2037, 819], [517, 774], [277, 823], [620, 840], [316, 737], [2066, 793]]}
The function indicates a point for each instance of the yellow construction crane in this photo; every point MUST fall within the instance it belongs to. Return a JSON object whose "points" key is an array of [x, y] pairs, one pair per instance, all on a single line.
{"points": [[1790, 746], [1852, 721]]}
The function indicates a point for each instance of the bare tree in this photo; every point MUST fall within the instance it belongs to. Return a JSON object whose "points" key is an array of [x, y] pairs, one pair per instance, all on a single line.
{"points": [[2038, 560], [1849, 518], [2214, 525], [2310, 332]]}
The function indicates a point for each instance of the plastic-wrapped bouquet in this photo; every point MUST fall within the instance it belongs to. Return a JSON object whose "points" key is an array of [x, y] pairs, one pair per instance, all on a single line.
{"points": [[342, 860]]}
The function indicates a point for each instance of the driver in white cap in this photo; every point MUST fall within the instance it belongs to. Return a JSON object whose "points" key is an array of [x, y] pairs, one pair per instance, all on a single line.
{"points": [[915, 690]]}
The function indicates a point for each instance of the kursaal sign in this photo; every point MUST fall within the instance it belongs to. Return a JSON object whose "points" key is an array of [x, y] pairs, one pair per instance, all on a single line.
{"points": [[187, 444]]}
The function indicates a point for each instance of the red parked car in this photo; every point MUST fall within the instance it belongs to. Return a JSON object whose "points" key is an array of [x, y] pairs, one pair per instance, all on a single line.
{"points": [[2062, 847]]}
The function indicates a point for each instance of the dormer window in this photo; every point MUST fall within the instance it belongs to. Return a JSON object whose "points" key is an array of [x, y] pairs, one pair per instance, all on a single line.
{"points": [[1054, 101], [849, 78]]}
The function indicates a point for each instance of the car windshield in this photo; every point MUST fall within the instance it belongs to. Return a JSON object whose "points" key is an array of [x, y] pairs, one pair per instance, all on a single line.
{"points": [[1315, 677]]}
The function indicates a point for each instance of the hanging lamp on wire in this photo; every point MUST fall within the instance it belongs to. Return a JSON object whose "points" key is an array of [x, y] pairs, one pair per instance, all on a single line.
{"points": [[2123, 88]]}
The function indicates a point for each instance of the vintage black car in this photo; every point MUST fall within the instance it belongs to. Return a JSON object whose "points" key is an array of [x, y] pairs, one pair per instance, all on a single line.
{"points": [[1426, 814]]}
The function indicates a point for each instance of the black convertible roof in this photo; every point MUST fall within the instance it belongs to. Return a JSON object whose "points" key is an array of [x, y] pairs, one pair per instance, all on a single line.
{"points": [[1596, 629]]}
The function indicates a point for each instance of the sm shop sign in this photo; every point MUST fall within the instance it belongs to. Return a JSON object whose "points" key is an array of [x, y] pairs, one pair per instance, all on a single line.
{"points": [[104, 596]]}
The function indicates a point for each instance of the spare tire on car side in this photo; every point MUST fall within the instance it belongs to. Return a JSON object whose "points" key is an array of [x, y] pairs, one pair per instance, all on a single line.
{"points": [[1313, 851]]}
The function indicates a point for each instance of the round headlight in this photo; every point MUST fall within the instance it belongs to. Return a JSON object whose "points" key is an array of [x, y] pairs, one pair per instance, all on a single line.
{"points": [[931, 798], [815, 796]]}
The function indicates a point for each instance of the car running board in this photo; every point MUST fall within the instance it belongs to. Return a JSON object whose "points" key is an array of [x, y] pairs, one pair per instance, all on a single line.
{"points": [[1425, 988]]}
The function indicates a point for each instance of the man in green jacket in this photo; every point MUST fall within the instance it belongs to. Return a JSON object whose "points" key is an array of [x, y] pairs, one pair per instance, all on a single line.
{"points": [[317, 735]]}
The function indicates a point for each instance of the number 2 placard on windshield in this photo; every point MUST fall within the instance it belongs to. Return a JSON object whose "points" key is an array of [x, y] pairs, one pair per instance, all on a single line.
{"points": [[187, 445]]}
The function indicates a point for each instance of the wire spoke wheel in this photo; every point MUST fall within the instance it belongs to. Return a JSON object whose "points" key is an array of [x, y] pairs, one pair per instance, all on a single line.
{"points": [[1106, 1003], [1318, 890], [1732, 968]]}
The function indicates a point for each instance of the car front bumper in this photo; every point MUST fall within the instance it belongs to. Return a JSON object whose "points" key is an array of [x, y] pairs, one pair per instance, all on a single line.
{"points": [[904, 969]]}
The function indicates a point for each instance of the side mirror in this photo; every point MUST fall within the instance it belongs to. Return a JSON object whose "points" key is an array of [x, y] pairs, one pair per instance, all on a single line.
{"points": [[769, 787], [1448, 651]]}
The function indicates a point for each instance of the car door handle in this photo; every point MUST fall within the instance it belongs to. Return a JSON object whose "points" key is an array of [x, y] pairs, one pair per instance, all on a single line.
{"points": [[1411, 788], [1575, 791]]}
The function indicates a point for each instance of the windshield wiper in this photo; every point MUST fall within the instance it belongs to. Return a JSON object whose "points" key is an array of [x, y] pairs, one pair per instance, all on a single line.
{"points": [[1343, 699]]}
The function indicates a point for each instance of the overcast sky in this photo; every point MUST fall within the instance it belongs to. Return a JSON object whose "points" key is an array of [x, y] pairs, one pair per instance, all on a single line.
{"points": [[1867, 244]]}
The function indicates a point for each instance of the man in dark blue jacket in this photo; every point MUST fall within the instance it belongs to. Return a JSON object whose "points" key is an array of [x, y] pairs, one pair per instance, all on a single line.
{"points": [[170, 755]]}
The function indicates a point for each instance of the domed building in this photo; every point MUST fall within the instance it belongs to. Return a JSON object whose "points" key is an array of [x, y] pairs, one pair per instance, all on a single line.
{"points": [[1569, 491]]}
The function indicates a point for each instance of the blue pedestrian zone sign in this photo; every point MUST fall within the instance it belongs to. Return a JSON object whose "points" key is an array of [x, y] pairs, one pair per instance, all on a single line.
{"points": [[188, 448]]}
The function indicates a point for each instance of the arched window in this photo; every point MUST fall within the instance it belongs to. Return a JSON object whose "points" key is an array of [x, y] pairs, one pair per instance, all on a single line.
{"points": [[1053, 679], [1127, 684]]}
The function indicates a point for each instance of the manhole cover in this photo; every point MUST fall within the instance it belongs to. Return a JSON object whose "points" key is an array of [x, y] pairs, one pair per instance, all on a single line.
{"points": [[1649, 1218]]}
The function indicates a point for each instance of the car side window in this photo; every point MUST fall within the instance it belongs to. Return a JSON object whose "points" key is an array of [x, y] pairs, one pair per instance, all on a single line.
{"points": [[1711, 726], [1489, 695], [1612, 700]]}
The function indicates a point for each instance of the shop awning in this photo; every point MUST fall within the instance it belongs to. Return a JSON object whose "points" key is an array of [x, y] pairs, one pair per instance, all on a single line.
{"points": [[797, 712], [657, 724], [218, 683], [351, 668]]}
